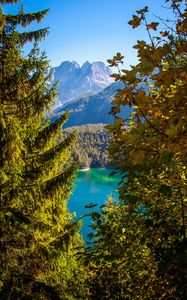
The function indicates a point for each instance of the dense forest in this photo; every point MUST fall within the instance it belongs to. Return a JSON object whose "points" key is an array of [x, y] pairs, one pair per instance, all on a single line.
{"points": [[91, 149], [138, 248]]}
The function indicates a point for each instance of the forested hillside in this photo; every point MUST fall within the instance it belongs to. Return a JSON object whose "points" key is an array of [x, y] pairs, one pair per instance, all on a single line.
{"points": [[93, 109], [91, 149]]}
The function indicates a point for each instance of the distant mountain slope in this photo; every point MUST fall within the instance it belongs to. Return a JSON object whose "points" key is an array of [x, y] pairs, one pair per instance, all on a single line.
{"points": [[76, 82], [91, 110]]}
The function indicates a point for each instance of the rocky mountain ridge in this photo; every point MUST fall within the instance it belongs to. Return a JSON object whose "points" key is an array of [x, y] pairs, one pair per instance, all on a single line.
{"points": [[77, 81]]}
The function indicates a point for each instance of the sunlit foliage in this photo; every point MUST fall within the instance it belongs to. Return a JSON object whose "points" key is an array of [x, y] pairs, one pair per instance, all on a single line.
{"points": [[38, 237], [140, 242]]}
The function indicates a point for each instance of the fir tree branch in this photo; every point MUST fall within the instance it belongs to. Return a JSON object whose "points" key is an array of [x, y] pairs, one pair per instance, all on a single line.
{"points": [[31, 80], [24, 19], [49, 131], [36, 35], [9, 1]]}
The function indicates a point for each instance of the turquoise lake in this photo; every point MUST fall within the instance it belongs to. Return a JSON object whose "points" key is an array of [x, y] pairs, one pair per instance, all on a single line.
{"points": [[92, 186]]}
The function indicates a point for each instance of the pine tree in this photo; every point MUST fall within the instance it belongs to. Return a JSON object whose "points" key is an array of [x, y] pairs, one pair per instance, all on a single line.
{"points": [[38, 235]]}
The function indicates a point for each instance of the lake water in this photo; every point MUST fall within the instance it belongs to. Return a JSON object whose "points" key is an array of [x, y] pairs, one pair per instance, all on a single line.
{"points": [[92, 186]]}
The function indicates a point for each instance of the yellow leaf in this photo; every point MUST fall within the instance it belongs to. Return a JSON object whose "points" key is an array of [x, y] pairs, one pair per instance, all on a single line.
{"points": [[164, 33], [137, 156], [171, 131]]}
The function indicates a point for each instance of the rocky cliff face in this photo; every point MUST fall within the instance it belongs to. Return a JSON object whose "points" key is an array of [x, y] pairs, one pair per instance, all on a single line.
{"points": [[76, 82]]}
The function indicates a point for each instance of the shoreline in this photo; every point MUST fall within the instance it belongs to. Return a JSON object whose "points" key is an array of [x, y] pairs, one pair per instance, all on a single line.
{"points": [[86, 169], [92, 168]]}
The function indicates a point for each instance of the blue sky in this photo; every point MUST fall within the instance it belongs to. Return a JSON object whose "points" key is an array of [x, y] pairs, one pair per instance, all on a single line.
{"points": [[90, 30]]}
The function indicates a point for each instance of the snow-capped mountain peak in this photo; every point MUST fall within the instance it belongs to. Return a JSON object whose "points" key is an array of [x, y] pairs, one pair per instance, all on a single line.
{"points": [[77, 81]]}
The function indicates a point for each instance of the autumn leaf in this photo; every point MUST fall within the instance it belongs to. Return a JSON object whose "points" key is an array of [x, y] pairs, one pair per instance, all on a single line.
{"points": [[116, 77], [112, 62], [164, 33], [152, 25], [171, 131], [143, 10], [137, 156], [115, 110], [118, 57], [135, 22]]}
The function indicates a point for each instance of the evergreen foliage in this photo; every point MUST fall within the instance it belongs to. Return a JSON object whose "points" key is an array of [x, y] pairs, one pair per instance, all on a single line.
{"points": [[9, 1], [38, 237], [139, 251]]}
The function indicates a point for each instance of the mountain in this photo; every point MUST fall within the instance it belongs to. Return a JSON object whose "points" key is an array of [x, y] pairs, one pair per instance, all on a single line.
{"points": [[76, 82], [93, 109]]}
